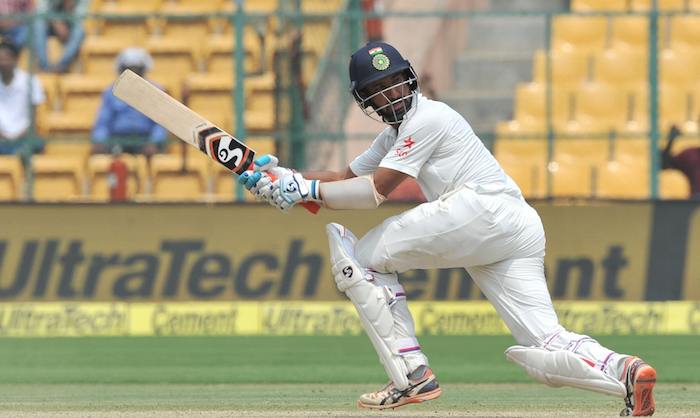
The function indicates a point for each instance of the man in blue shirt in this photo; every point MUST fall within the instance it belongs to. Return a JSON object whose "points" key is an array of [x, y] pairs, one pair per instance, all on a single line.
{"points": [[119, 124]]}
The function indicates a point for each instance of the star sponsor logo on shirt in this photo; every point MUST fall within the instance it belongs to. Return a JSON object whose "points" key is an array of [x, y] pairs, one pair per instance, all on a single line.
{"points": [[402, 150]]}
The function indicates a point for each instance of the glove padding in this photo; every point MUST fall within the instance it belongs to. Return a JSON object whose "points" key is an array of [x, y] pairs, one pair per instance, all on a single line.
{"points": [[291, 189], [259, 180]]}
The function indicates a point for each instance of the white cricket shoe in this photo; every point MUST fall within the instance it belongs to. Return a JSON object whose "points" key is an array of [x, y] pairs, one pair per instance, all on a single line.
{"points": [[423, 386]]}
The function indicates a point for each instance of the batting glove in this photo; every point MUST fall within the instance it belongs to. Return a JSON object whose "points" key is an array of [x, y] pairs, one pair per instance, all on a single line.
{"points": [[293, 188], [259, 180]]}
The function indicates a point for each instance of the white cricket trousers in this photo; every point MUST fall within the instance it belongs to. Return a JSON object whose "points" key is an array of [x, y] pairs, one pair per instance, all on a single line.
{"points": [[499, 240]]}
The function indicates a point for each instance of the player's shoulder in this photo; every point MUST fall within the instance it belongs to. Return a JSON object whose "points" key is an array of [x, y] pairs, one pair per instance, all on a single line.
{"points": [[431, 114]]}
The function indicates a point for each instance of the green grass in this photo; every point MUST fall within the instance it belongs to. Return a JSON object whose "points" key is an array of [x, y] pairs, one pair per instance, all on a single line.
{"points": [[246, 360]]}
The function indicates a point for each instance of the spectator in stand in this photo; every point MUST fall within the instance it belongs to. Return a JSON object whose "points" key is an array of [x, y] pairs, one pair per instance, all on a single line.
{"points": [[20, 94], [118, 124], [14, 29], [687, 161], [69, 32]]}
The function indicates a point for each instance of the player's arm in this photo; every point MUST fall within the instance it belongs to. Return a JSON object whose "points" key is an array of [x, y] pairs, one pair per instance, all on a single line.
{"points": [[329, 175]]}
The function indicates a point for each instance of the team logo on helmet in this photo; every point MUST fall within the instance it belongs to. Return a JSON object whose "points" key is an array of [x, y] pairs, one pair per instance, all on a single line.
{"points": [[380, 62]]}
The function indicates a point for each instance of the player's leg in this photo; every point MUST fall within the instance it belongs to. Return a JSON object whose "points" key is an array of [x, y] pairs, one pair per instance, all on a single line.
{"points": [[381, 304], [550, 353]]}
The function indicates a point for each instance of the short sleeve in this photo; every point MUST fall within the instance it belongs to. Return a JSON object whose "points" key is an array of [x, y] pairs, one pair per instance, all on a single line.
{"points": [[414, 145], [368, 161]]}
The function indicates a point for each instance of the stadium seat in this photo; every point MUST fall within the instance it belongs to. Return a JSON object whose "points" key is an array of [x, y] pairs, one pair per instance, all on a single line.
{"points": [[583, 34], [528, 176], [599, 5], [173, 58], [622, 180], [79, 149], [677, 67], [624, 68], [685, 30], [98, 175], [320, 6], [261, 6], [80, 98], [260, 102], [58, 177], [530, 112], [98, 54], [131, 30], [186, 20], [225, 181], [666, 5], [11, 178], [673, 184], [218, 54], [523, 150], [211, 96], [630, 32], [677, 107], [50, 83], [590, 151], [632, 149], [569, 68], [172, 180], [600, 107], [572, 178]]}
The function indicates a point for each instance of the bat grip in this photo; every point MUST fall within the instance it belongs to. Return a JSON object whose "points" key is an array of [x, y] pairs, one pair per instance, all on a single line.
{"points": [[312, 207]]}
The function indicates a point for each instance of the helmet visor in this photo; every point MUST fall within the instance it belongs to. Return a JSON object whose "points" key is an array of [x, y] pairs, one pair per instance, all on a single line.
{"points": [[390, 103]]}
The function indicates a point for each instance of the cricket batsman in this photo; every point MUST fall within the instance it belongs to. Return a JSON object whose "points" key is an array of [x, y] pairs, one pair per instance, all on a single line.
{"points": [[475, 218]]}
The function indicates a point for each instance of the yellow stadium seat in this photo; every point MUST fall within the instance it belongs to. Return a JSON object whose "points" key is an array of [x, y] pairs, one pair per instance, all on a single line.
{"points": [[218, 54], [570, 150], [80, 149], [98, 175], [320, 6], [677, 107], [11, 178], [260, 103], [80, 98], [571, 178], [599, 5], [192, 6], [600, 107], [98, 54], [58, 177], [261, 6], [625, 68], [694, 5], [644, 5], [528, 176], [530, 113], [211, 96], [173, 58], [584, 34], [677, 67], [50, 83], [673, 184], [188, 22], [177, 180], [131, 30], [632, 150], [685, 30], [622, 180], [569, 68], [630, 32], [225, 181], [523, 150]]}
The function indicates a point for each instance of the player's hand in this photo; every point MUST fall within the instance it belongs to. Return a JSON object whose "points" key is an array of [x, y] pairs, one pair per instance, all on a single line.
{"points": [[259, 180], [291, 189]]}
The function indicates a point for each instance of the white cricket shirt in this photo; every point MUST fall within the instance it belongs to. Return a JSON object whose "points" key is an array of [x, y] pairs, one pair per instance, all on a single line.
{"points": [[435, 145], [15, 116]]}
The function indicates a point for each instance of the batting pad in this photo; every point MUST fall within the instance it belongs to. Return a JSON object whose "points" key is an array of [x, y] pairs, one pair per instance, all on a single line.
{"points": [[563, 368], [369, 300]]}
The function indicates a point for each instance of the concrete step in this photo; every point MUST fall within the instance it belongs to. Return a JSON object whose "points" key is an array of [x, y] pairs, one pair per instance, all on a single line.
{"points": [[483, 109], [506, 33], [528, 5], [497, 70]]}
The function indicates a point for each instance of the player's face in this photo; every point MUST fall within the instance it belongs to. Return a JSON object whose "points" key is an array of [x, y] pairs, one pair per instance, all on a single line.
{"points": [[390, 97]]}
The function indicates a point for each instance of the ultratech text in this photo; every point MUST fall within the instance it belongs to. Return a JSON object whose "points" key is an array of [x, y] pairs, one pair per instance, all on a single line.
{"points": [[178, 269]]}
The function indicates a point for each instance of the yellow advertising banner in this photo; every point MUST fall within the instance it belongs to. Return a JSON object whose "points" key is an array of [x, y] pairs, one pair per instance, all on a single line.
{"points": [[225, 253], [325, 318]]}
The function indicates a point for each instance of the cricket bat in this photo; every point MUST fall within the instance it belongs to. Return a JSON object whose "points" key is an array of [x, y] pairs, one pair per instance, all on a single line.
{"points": [[187, 125]]}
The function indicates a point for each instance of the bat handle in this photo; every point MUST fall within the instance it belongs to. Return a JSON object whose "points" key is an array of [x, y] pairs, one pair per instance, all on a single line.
{"points": [[312, 207]]}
